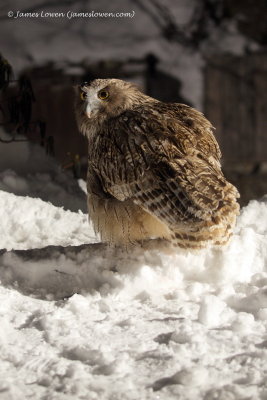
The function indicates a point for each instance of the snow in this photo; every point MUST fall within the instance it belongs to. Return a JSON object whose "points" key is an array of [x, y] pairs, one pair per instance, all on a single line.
{"points": [[80, 320], [29, 224]]}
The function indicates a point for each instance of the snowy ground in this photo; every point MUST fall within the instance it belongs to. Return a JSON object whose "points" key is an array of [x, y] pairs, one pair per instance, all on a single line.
{"points": [[81, 321]]}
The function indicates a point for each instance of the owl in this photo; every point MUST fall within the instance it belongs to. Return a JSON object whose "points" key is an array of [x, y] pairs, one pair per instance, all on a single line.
{"points": [[153, 169]]}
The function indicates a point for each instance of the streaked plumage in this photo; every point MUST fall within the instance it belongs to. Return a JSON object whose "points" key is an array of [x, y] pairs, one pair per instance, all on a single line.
{"points": [[153, 168]]}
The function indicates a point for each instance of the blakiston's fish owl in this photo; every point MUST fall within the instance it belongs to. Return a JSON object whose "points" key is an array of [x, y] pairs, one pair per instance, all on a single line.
{"points": [[154, 168]]}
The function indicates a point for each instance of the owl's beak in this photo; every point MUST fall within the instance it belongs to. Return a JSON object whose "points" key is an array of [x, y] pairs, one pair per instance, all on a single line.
{"points": [[89, 109], [91, 101]]}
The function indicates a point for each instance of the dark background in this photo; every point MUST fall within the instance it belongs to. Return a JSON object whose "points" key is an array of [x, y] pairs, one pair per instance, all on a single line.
{"points": [[210, 54]]}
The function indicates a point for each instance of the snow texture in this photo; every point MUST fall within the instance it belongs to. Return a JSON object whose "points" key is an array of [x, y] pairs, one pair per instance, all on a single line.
{"points": [[79, 320]]}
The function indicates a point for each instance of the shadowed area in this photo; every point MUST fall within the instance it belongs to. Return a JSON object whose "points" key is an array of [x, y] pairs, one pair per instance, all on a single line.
{"points": [[56, 272]]}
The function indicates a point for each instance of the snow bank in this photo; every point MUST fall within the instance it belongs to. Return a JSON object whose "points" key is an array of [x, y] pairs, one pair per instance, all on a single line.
{"points": [[87, 321], [30, 223]]}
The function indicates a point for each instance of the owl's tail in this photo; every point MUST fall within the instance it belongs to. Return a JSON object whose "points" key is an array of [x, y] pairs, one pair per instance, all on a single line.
{"points": [[215, 230]]}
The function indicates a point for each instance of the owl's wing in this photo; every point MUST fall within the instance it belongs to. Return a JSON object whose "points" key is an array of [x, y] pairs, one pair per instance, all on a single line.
{"points": [[166, 165], [196, 128]]}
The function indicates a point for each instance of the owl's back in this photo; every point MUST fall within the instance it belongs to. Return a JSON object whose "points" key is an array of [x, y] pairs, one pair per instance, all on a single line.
{"points": [[161, 162]]}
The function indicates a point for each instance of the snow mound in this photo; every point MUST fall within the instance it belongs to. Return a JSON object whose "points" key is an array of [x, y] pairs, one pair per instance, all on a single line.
{"points": [[28, 223], [81, 320]]}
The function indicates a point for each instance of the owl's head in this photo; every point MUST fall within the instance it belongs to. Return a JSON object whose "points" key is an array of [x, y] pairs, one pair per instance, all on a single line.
{"points": [[106, 97]]}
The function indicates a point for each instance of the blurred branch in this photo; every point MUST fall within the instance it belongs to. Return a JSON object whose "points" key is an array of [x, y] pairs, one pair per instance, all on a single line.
{"points": [[192, 33]]}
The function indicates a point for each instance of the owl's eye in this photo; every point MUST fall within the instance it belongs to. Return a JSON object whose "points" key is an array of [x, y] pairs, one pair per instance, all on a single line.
{"points": [[83, 95], [103, 94]]}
